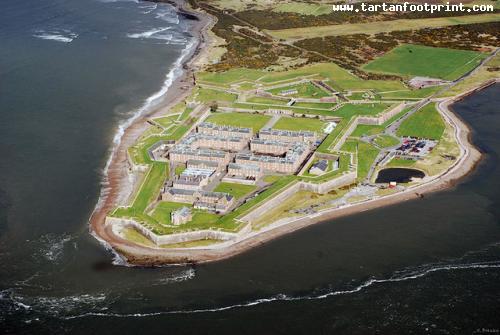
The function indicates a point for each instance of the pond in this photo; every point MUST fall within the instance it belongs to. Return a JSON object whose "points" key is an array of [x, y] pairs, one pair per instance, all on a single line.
{"points": [[399, 175]]}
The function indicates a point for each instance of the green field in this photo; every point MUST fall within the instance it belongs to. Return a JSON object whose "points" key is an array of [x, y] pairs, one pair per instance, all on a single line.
{"points": [[425, 123], [366, 156], [349, 110], [209, 95], [230, 76], [162, 211], [417, 60], [410, 94], [147, 193], [366, 130], [255, 121], [385, 141], [267, 101], [295, 123], [236, 190], [350, 146], [321, 105], [306, 90], [337, 77]]}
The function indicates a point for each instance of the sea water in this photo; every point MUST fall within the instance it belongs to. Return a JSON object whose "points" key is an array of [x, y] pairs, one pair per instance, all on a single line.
{"points": [[73, 72]]}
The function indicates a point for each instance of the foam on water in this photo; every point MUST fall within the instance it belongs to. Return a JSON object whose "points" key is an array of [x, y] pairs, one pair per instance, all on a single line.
{"points": [[52, 246], [64, 36], [149, 103], [183, 276], [284, 297]]}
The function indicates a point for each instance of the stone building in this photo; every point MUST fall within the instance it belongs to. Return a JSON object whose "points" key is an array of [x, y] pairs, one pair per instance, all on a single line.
{"points": [[250, 171], [214, 201], [288, 135], [181, 215], [219, 130]]}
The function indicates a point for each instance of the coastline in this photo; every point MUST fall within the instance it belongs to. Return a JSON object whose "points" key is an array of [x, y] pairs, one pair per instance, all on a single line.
{"points": [[117, 178], [116, 171]]}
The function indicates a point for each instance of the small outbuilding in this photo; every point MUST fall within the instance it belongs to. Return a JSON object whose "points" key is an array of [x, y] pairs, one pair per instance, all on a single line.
{"points": [[319, 168], [181, 215]]}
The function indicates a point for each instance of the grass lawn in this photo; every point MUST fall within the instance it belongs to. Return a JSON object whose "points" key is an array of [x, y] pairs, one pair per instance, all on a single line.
{"points": [[398, 162], [366, 156], [410, 94], [366, 130], [385, 141], [349, 146], [255, 121], [151, 186], [334, 136], [425, 123], [230, 76], [277, 186], [349, 110], [487, 72], [267, 101], [236, 190], [162, 211], [417, 60], [306, 90], [209, 95], [322, 105], [295, 123]]}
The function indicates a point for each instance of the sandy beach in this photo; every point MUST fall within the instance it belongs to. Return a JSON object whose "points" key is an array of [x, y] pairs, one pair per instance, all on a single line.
{"points": [[118, 178]]}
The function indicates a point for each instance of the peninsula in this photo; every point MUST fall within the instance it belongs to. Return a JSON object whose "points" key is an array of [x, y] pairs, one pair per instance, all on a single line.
{"points": [[287, 115]]}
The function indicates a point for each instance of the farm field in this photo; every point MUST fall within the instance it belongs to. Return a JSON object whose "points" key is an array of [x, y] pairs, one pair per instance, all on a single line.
{"points": [[254, 121], [379, 27], [425, 123], [417, 60], [293, 123]]}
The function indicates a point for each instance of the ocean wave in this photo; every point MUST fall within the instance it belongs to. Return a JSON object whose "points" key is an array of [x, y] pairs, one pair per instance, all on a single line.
{"points": [[183, 276], [168, 15], [172, 37], [150, 33], [53, 305], [58, 35], [148, 8], [414, 274], [149, 103]]}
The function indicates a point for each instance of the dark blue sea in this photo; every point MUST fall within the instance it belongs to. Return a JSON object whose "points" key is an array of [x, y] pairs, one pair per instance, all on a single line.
{"points": [[75, 72]]}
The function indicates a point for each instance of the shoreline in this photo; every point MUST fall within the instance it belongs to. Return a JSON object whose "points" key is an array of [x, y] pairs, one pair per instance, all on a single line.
{"points": [[116, 171], [117, 176]]}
